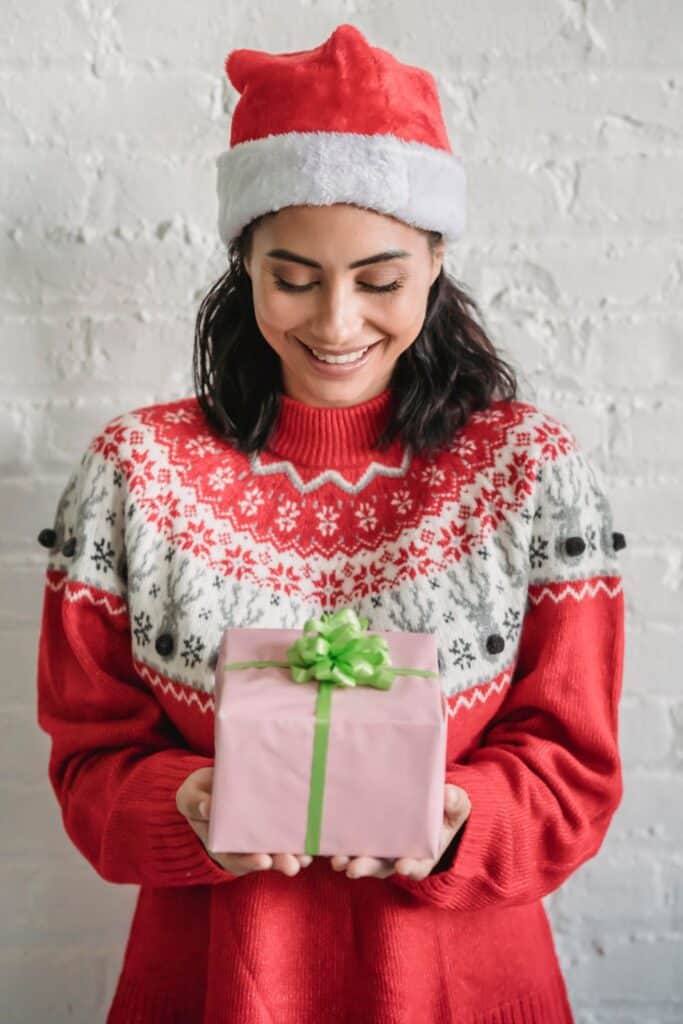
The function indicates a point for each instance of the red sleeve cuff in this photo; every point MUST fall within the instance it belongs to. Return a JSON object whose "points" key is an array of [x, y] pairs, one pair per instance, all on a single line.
{"points": [[452, 887], [147, 840]]}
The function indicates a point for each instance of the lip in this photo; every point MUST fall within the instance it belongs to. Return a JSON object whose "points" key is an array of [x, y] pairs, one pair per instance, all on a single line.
{"points": [[339, 352], [332, 370]]}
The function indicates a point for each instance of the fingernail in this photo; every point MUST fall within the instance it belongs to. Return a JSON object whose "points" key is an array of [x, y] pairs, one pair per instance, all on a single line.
{"points": [[204, 809]]}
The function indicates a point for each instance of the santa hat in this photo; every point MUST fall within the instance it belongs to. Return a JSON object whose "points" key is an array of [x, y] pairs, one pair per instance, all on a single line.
{"points": [[345, 122]]}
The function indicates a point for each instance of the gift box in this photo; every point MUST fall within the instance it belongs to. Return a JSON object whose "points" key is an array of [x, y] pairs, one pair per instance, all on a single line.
{"points": [[329, 764]]}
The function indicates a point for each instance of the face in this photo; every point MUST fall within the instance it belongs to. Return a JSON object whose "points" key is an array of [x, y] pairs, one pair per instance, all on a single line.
{"points": [[342, 281]]}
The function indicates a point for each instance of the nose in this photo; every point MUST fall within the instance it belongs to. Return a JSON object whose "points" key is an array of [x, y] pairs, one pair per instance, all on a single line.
{"points": [[337, 320]]}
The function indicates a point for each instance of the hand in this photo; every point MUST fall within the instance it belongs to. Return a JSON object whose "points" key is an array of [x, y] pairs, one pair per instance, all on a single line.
{"points": [[457, 809], [193, 800]]}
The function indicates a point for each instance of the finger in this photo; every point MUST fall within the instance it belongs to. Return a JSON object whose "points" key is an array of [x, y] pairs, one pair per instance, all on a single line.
{"points": [[199, 811], [243, 862], [247, 861], [287, 863], [201, 829], [339, 862], [456, 805], [448, 833], [363, 867], [405, 866], [414, 868], [305, 859]]}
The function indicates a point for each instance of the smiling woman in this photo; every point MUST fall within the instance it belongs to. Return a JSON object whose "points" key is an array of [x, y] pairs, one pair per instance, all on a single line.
{"points": [[355, 441], [332, 305]]}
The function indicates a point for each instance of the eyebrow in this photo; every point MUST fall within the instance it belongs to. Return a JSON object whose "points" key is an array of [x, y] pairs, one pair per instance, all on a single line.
{"points": [[380, 257]]}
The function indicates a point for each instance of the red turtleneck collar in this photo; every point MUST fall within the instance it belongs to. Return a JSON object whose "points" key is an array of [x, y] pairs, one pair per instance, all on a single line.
{"points": [[312, 435]]}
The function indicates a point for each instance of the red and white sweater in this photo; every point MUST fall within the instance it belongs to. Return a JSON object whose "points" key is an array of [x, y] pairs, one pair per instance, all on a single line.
{"points": [[503, 545]]}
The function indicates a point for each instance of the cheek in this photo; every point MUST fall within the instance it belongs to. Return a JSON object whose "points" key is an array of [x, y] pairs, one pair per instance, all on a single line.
{"points": [[404, 316], [274, 313]]}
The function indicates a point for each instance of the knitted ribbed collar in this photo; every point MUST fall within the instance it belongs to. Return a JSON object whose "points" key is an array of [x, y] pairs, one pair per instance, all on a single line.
{"points": [[311, 435]]}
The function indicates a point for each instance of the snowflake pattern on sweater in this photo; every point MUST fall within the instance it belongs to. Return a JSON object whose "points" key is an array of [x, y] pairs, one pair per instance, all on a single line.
{"points": [[187, 536]]}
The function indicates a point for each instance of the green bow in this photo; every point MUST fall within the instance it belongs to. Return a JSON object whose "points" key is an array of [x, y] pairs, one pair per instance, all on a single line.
{"points": [[335, 650]]}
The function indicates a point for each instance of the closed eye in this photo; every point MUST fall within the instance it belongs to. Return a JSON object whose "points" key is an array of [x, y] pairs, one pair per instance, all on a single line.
{"points": [[287, 287]]}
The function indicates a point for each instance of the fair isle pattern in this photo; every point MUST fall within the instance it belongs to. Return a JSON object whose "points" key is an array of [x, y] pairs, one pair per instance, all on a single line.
{"points": [[181, 694], [469, 699], [328, 476], [477, 695], [489, 472], [115, 606], [57, 581], [579, 590], [171, 523]]}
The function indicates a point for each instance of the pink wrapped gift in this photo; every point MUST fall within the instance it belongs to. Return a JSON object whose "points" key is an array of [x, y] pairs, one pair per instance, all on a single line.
{"points": [[379, 753]]}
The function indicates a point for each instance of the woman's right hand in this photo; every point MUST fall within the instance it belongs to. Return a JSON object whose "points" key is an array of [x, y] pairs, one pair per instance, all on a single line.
{"points": [[193, 800]]}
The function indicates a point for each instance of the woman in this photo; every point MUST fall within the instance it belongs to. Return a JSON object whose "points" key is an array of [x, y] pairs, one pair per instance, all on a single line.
{"points": [[354, 440]]}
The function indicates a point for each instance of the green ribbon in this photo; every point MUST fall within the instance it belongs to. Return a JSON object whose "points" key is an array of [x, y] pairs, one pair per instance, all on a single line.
{"points": [[334, 650]]}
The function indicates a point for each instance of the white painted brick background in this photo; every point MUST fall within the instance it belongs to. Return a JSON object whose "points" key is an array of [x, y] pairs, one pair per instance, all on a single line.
{"points": [[569, 117]]}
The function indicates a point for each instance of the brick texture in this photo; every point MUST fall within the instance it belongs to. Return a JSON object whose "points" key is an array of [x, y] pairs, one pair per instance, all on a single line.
{"points": [[568, 115]]}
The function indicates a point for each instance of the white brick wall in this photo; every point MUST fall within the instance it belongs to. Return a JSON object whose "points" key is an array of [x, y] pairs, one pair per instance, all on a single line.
{"points": [[568, 114]]}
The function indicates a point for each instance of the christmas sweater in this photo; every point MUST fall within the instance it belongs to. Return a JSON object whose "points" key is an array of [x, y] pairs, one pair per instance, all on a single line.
{"points": [[502, 544]]}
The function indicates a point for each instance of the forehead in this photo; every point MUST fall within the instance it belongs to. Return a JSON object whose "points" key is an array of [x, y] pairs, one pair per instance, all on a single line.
{"points": [[336, 234]]}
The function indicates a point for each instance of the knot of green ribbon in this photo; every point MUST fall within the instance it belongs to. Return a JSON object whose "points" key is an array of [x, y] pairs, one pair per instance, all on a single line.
{"points": [[334, 650]]}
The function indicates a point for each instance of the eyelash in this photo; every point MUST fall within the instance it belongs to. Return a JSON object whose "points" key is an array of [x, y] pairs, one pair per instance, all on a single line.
{"points": [[285, 286]]}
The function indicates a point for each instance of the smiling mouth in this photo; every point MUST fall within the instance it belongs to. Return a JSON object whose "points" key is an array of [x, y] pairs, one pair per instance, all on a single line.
{"points": [[339, 358]]}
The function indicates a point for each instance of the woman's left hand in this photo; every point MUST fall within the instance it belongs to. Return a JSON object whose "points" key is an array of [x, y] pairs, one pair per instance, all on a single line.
{"points": [[456, 812]]}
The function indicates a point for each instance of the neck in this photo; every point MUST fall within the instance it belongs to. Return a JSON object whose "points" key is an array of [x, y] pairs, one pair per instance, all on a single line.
{"points": [[329, 436]]}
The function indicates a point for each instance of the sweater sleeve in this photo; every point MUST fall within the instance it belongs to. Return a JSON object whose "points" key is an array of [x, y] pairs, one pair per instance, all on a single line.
{"points": [[116, 759], [546, 779]]}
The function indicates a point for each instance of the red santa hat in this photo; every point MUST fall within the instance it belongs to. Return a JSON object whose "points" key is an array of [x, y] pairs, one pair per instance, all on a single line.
{"points": [[345, 122]]}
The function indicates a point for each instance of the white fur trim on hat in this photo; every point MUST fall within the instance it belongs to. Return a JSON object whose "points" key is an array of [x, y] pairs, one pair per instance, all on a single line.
{"points": [[415, 182]]}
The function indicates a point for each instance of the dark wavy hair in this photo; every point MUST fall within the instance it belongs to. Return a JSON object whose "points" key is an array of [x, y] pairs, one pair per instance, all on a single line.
{"points": [[451, 369]]}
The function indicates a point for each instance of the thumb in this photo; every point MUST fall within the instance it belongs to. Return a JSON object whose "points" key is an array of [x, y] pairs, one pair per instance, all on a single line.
{"points": [[453, 803]]}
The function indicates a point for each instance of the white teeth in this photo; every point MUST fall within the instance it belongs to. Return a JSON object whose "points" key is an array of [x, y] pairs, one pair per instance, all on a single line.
{"points": [[353, 357]]}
